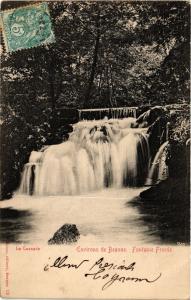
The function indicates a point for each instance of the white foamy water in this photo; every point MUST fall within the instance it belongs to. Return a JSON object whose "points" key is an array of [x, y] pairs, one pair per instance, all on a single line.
{"points": [[88, 181], [158, 166], [98, 154], [102, 217]]}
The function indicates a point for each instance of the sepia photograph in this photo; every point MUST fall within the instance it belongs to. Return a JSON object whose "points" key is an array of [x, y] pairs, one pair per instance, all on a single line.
{"points": [[95, 123], [95, 128]]}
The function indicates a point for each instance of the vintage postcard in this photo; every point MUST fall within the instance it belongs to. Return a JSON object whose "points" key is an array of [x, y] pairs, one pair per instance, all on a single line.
{"points": [[95, 149]]}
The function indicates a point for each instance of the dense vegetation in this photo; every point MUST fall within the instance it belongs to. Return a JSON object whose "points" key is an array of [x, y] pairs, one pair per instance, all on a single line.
{"points": [[106, 54]]}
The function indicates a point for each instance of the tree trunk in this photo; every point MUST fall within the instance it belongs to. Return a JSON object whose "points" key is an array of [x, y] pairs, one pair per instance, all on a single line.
{"points": [[52, 97], [51, 87], [94, 64]]}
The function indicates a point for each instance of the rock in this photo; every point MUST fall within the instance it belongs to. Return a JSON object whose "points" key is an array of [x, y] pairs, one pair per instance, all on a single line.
{"points": [[165, 207], [151, 115], [178, 160], [157, 134], [67, 128], [66, 234]]}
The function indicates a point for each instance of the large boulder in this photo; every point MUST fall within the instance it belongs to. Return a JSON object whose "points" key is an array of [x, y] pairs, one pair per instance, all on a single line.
{"points": [[66, 234], [147, 118]]}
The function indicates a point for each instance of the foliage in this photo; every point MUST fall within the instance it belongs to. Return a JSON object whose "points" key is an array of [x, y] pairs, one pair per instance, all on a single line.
{"points": [[180, 128], [106, 54]]}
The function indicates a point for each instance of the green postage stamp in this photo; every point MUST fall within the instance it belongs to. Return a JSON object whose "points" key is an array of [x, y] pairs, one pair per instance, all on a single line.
{"points": [[27, 27]]}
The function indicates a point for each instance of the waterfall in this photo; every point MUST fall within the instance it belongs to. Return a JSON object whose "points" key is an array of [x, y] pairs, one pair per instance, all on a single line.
{"points": [[26, 185], [98, 154], [111, 113], [159, 169]]}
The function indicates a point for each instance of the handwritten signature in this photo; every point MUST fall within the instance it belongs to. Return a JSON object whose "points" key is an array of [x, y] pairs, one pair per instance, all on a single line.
{"points": [[102, 270]]}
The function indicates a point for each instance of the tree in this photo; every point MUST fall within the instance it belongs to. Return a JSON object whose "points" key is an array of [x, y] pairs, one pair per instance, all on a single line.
{"points": [[106, 54]]}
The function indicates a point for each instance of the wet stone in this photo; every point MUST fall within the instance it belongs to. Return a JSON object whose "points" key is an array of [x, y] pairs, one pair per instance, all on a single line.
{"points": [[66, 234]]}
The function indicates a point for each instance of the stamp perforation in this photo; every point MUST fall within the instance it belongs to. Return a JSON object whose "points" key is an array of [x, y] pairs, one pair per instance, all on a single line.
{"points": [[23, 6]]}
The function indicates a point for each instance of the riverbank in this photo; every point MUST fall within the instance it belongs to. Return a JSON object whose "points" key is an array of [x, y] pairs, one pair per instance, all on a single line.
{"points": [[166, 205]]}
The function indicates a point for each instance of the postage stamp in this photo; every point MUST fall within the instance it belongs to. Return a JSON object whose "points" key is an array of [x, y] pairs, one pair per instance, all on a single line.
{"points": [[27, 27]]}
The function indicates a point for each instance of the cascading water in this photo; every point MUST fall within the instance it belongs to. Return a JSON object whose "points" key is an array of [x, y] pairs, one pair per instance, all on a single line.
{"points": [[113, 113], [159, 169], [98, 154]]}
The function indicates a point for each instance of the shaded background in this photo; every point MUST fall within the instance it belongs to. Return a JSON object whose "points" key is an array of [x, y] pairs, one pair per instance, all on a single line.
{"points": [[107, 54]]}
